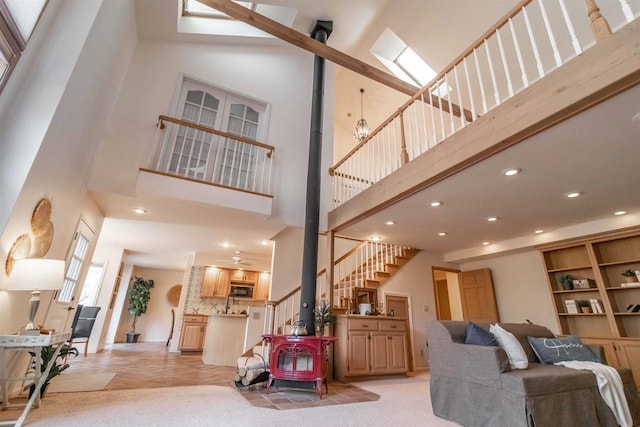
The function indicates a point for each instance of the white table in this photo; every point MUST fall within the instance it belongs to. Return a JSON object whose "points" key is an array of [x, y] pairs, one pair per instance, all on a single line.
{"points": [[12, 347]]}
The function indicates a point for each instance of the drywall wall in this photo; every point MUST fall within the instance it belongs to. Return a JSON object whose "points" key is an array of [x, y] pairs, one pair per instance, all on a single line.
{"points": [[415, 280], [155, 324], [521, 288]]}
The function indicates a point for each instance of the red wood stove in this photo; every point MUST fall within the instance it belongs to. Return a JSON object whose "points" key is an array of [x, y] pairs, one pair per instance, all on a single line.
{"points": [[298, 358]]}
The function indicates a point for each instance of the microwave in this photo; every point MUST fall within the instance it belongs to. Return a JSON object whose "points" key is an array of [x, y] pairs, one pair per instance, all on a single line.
{"points": [[241, 290]]}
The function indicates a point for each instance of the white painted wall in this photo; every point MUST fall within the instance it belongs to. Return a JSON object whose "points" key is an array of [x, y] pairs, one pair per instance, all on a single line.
{"points": [[155, 324], [150, 89], [415, 280], [521, 288], [55, 82]]}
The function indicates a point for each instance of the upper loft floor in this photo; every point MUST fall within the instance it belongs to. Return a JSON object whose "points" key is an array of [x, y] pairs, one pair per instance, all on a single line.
{"points": [[548, 94]]}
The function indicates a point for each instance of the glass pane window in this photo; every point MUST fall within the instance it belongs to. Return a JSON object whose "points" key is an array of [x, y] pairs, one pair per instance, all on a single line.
{"points": [[91, 288], [73, 269]]}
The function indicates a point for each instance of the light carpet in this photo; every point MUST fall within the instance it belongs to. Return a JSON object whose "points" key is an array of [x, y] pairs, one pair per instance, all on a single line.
{"points": [[403, 402], [71, 383]]}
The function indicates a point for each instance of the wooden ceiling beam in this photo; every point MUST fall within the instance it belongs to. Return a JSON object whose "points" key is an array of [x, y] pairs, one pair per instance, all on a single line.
{"points": [[309, 44]]}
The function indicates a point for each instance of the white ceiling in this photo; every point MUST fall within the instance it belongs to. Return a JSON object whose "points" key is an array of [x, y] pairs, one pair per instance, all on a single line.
{"points": [[596, 153]]}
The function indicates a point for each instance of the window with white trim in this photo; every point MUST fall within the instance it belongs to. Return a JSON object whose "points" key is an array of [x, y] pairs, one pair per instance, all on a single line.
{"points": [[18, 19]]}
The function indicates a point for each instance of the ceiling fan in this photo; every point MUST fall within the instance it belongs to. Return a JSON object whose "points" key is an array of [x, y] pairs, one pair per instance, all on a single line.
{"points": [[238, 260]]}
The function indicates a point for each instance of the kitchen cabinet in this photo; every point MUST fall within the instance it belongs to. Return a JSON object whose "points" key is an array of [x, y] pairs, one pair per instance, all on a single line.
{"points": [[368, 346], [215, 283], [261, 290], [194, 329], [244, 276], [601, 261]]}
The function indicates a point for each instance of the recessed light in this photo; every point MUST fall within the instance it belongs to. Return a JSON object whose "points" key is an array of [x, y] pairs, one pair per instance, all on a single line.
{"points": [[486, 243], [539, 231], [442, 233], [264, 243], [390, 222], [573, 194], [375, 238], [140, 211], [225, 244], [435, 204], [511, 172], [492, 219], [620, 212]]}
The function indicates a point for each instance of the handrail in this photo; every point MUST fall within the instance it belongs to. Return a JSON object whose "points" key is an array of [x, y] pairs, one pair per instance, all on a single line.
{"points": [[163, 118]]}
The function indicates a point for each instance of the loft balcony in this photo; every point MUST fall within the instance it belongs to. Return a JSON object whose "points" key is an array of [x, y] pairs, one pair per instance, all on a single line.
{"points": [[539, 65], [198, 163]]}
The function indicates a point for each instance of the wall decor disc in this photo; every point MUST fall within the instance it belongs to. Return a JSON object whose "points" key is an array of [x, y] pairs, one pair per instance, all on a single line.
{"points": [[42, 242], [19, 250], [41, 218], [173, 295]]}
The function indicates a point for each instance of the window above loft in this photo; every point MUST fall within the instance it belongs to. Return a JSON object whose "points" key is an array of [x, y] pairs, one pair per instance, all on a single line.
{"points": [[18, 19], [195, 8], [404, 62]]}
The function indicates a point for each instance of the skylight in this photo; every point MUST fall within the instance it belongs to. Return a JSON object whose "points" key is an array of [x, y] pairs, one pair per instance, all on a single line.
{"points": [[404, 62], [195, 8]]}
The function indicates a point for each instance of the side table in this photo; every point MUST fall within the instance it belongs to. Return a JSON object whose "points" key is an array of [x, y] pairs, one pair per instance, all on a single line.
{"points": [[25, 344]]}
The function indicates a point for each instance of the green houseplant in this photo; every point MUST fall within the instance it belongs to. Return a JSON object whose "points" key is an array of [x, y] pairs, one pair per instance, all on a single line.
{"points": [[584, 305], [630, 276], [323, 315], [139, 296], [567, 282], [56, 369]]}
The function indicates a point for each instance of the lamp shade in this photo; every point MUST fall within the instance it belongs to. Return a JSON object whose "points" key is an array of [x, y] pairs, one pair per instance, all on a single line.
{"points": [[36, 273]]}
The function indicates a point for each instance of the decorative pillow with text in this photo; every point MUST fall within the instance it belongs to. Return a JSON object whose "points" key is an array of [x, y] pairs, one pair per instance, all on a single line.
{"points": [[553, 350]]}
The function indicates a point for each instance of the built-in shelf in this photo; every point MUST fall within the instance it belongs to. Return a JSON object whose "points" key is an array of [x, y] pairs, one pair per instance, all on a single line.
{"points": [[627, 314], [622, 288], [560, 270], [630, 261], [583, 314], [571, 291]]}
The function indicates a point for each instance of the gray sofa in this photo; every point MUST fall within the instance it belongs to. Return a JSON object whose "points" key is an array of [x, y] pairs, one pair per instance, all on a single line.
{"points": [[475, 386]]}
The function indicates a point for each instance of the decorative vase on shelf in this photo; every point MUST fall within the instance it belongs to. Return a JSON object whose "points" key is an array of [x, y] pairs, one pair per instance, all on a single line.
{"points": [[585, 309], [630, 279]]}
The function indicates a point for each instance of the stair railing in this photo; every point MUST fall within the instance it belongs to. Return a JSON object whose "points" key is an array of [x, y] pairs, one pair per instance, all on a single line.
{"points": [[351, 270], [533, 39]]}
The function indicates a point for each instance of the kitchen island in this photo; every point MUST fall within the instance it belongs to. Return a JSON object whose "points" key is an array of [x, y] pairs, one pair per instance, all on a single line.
{"points": [[224, 341]]}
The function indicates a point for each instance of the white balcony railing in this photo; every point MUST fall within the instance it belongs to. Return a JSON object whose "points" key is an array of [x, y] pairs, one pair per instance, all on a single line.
{"points": [[197, 152], [534, 39]]}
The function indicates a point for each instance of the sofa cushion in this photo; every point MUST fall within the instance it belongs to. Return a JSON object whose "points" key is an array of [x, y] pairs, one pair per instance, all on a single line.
{"points": [[546, 379], [522, 331], [553, 350], [513, 348], [479, 336]]}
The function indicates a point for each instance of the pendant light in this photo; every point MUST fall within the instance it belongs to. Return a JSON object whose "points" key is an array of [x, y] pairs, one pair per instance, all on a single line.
{"points": [[362, 128]]}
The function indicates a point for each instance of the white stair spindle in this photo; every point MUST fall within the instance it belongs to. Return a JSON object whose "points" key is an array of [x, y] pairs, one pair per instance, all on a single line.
{"points": [[443, 129], [504, 63], [552, 39], [567, 19], [434, 140], [493, 76], [424, 122], [523, 71], [463, 118], [626, 10], [474, 116], [451, 115], [484, 99], [534, 45]]}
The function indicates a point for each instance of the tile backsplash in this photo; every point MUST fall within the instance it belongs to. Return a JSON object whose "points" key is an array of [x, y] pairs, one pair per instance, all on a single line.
{"points": [[195, 304]]}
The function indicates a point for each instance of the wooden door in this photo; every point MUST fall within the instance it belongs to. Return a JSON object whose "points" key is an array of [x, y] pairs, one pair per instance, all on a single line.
{"points": [[397, 360], [192, 337], [261, 291], [400, 306], [443, 306], [478, 297], [379, 353]]}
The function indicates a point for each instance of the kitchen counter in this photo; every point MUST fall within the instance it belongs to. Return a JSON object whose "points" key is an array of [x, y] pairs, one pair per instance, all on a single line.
{"points": [[224, 340]]}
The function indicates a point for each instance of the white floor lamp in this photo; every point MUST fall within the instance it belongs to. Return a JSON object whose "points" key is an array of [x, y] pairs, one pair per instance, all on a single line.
{"points": [[35, 275]]}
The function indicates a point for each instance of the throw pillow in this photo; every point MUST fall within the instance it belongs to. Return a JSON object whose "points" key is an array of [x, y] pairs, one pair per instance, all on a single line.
{"points": [[511, 345], [477, 335], [552, 350]]}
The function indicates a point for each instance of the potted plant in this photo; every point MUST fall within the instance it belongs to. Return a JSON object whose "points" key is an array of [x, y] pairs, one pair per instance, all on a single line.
{"points": [[584, 305], [139, 296], [56, 369], [567, 282], [323, 315], [630, 276]]}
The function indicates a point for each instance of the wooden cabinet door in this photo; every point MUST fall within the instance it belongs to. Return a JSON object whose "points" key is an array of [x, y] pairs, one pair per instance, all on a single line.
{"points": [[629, 352], [609, 350], [237, 274], [379, 353], [215, 283], [223, 284], [192, 338], [250, 276], [359, 359], [261, 291], [397, 361]]}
